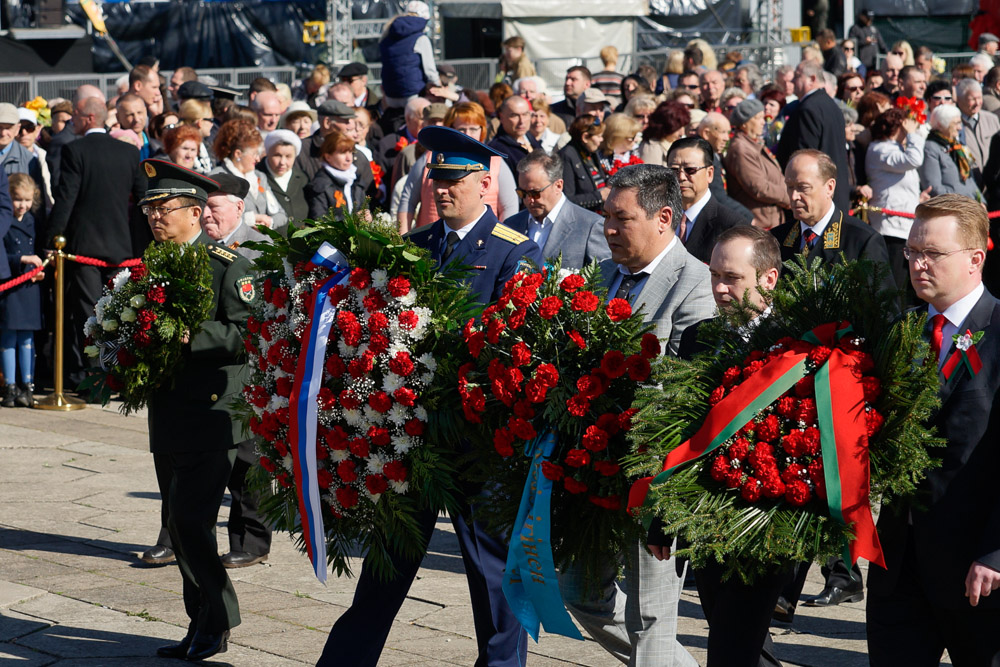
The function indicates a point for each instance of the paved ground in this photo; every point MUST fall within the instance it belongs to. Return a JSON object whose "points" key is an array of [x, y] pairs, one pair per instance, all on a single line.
{"points": [[78, 502]]}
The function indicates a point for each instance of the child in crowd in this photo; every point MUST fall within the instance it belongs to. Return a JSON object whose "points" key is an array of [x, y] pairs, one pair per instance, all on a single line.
{"points": [[21, 306]]}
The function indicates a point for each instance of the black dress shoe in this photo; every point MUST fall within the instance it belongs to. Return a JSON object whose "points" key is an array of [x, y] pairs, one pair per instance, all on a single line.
{"points": [[235, 559], [834, 595], [158, 555], [178, 650], [783, 611], [206, 644]]}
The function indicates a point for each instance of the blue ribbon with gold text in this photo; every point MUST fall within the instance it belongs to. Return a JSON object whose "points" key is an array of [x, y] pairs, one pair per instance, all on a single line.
{"points": [[530, 583]]}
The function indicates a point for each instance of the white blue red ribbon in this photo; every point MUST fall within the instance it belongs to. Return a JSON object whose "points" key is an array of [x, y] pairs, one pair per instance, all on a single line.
{"points": [[530, 583], [303, 410]]}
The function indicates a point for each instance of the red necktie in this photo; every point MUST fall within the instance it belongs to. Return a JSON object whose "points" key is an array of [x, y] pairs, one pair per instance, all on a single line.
{"points": [[809, 238], [937, 335]]}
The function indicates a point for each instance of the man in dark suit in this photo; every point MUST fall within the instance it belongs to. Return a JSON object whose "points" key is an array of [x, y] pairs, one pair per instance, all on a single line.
{"points": [[92, 210], [942, 549], [823, 230], [553, 222], [470, 234], [577, 80], [192, 432], [745, 264], [693, 162], [513, 138], [816, 123]]}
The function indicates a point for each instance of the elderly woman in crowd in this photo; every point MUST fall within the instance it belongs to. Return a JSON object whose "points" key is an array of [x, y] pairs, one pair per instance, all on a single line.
{"points": [[286, 181], [641, 107], [198, 114], [754, 176], [240, 147], [666, 125], [468, 118], [947, 167], [893, 166], [539, 128], [181, 145], [299, 119], [773, 100], [618, 143], [584, 179]]}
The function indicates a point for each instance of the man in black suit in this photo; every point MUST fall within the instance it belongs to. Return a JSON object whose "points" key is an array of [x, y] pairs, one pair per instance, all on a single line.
{"points": [[693, 161], [745, 263], [823, 230], [577, 80], [512, 138], [67, 133], [92, 210], [816, 123], [942, 550]]}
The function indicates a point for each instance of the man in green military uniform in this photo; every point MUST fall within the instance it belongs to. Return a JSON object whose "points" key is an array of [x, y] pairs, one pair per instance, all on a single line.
{"points": [[192, 433]]}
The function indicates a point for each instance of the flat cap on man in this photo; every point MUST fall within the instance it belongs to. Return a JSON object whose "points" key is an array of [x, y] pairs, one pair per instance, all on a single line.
{"points": [[194, 90], [454, 154], [352, 69], [8, 114], [231, 185], [335, 109], [167, 180]]}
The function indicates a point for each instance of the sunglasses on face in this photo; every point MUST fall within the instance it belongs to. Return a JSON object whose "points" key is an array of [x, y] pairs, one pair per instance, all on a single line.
{"points": [[848, 48], [534, 194], [854, 89], [690, 86], [690, 171], [941, 98]]}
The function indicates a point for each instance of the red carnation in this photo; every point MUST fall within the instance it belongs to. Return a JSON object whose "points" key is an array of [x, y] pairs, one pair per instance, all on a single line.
{"points": [[650, 345], [336, 438], [807, 411], [405, 396], [335, 366], [720, 468], [804, 387], [395, 470], [338, 294], [267, 464], [792, 473], [520, 354], [516, 319], [577, 405], [573, 486], [595, 439], [347, 497], [398, 286], [523, 409], [124, 357], [606, 468], [752, 368], [794, 444], [494, 329], [524, 296], [279, 297], [552, 471], [585, 302], [283, 387], [401, 364], [589, 386], [376, 484], [872, 387], [577, 458], [819, 354], [522, 428], [535, 390], [377, 322], [380, 401], [284, 480], [577, 338], [618, 310], [625, 420], [360, 278], [608, 422], [324, 478], [768, 428], [282, 448], [373, 302], [156, 294], [359, 447], [572, 283], [874, 421], [547, 374], [797, 493], [414, 427], [787, 406], [145, 319], [142, 339], [550, 307], [476, 342], [774, 488], [740, 449], [378, 435], [503, 442], [863, 362], [408, 320], [348, 400], [731, 376], [139, 271], [638, 368], [751, 490], [810, 438], [613, 364], [717, 395]]}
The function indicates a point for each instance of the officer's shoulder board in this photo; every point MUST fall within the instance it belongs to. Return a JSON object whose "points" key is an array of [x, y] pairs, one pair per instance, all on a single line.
{"points": [[219, 252], [509, 235]]}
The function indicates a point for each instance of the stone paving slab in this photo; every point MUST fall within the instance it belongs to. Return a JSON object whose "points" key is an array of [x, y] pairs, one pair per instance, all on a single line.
{"points": [[78, 503]]}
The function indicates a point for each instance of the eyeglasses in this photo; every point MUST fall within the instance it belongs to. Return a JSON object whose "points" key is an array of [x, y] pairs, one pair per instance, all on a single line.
{"points": [[899, 53], [853, 89], [928, 256], [690, 171], [160, 211], [690, 86], [170, 127], [534, 194], [732, 107], [847, 48], [941, 98]]}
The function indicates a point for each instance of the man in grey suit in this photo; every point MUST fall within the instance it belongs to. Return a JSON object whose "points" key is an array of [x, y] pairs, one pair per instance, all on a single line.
{"points": [[552, 221], [650, 267], [978, 125]]}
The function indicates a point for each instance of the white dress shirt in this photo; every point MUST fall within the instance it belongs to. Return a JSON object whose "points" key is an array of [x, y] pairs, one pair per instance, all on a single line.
{"points": [[819, 227], [648, 270], [955, 316], [538, 231]]}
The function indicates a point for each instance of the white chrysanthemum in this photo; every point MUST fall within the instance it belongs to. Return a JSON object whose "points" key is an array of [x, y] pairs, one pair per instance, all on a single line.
{"points": [[402, 443], [566, 272], [373, 416], [399, 487], [373, 497], [379, 278], [127, 315], [396, 346], [361, 349], [398, 414], [339, 455], [408, 299], [427, 378], [352, 417], [257, 411], [91, 351], [120, 279], [391, 382], [101, 306], [91, 327], [109, 325], [286, 462], [138, 301], [276, 403], [428, 361], [420, 412], [375, 463], [289, 271], [346, 351]]}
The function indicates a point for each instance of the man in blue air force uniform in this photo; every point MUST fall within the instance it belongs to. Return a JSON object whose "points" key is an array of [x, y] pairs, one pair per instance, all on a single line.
{"points": [[469, 233]]}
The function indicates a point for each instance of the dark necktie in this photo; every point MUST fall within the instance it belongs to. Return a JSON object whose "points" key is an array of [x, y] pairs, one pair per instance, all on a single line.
{"points": [[809, 240], [937, 336], [453, 240], [684, 227], [628, 284]]}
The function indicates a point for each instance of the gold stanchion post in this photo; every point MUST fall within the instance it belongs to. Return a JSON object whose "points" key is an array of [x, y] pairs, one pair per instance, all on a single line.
{"points": [[56, 400]]}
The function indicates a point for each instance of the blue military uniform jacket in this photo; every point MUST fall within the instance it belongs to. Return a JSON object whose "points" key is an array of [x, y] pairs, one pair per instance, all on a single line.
{"points": [[494, 251]]}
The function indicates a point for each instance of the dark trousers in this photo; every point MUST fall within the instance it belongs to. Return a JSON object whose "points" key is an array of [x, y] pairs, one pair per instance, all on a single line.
{"points": [[739, 616], [247, 530], [84, 285], [835, 573], [360, 633], [906, 628], [193, 497]]}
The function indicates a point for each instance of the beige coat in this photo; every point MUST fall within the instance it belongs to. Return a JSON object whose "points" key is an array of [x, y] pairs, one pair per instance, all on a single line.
{"points": [[754, 179], [654, 152]]}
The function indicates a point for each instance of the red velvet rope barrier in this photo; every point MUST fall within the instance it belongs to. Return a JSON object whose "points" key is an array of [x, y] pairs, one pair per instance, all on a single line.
{"points": [[91, 261], [904, 214], [23, 278]]}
